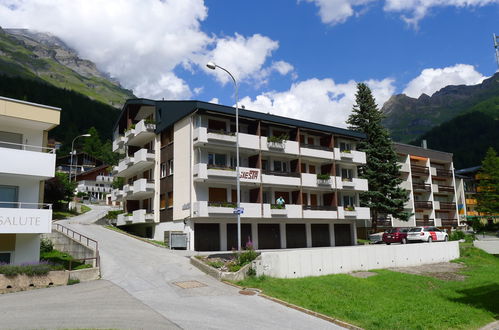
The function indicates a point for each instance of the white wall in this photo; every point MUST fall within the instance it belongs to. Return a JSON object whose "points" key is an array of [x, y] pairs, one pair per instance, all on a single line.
{"points": [[336, 260], [182, 168], [28, 188], [27, 248], [33, 137]]}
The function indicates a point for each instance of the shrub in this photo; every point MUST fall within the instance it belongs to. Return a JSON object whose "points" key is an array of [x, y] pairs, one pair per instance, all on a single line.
{"points": [[456, 235], [278, 139], [246, 257], [469, 238], [114, 214], [216, 264], [84, 266], [72, 281], [323, 176], [251, 272], [46, 245], [234, 267], [37, 269]]}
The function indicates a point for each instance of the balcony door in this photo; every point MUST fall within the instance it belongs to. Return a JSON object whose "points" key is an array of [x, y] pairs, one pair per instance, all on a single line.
{"points": [[9, 196], [11, 138], [217, 195]]}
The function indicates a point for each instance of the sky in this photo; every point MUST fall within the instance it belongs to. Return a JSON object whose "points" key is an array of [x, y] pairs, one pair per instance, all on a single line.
{"points": [[299, 59]]}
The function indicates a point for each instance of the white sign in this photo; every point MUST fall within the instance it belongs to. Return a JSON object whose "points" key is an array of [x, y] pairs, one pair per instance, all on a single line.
{"points": [[25, 221], [247, 174]]}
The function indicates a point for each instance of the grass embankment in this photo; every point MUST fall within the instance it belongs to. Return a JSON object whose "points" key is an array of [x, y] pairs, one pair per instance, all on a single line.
{"points": [[147, 240], [393, 300]]}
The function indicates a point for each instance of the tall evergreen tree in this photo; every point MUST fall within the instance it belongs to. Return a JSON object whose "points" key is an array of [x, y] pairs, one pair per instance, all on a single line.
{"points": [[488, 184], [381, 169]]}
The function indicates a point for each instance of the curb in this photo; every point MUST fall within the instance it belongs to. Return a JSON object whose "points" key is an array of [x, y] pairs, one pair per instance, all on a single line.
{"points": [[302, 309]]}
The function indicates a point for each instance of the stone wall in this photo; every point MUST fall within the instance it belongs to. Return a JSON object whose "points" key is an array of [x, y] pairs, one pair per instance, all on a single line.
{"points": [[66, 244]]}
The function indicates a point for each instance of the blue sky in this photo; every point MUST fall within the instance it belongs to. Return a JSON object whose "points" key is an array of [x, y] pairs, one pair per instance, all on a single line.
{"points": [[295, 58]]}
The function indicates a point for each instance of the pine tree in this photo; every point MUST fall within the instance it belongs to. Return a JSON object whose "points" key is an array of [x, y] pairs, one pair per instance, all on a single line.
{"points": [[488, 184], [381, 169]]}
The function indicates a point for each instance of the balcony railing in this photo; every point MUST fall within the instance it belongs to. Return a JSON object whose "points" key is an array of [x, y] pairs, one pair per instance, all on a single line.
{"points": [[313, 146], [222, 204], [280, 173], [447, 206], [220, 167], [425, 222], [220, 131], [449, 222], [26, 147], [444, 173], [445, 188], [320, 207], [420, 169], [23, 205], [421, 186], [423, 205]]}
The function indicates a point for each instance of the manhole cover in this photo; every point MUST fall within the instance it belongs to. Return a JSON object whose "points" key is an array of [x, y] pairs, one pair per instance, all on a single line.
{"points": [[247, 292], [189, 284]]}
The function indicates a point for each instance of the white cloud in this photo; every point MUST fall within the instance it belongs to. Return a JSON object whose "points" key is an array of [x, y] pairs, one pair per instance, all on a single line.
{"points": [[142, 42], [322, 101], [338, 11], [432, 80]]}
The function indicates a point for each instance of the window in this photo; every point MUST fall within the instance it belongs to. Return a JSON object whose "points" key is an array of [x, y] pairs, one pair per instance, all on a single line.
{"points": [[5, 257], [170, 167], [346, 173], [311, 169], [163, 170], [217, 159], [280, 166], [11, 138], [166, 137], [348, 200], [8, 196], [170, 199], [345, 146], [162, 201]]}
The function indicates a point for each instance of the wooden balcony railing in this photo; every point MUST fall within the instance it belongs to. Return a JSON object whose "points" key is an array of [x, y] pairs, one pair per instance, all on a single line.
{"points": [[320, 207], [421, 186], [423, 205], [420, 169], [425, 222], [442, 188], [444, 173], [447, 206], [449, 222]]}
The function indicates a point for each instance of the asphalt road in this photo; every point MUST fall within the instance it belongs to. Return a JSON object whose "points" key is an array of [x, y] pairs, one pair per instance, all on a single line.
{"points": [[151, 274]]}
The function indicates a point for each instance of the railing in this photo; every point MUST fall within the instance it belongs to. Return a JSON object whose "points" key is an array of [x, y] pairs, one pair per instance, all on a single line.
{"points": [[425, 222], [313, 146], [423, 205], [219, 167], [279, 173], [320, 207], [447, 206], [420, 169], [27, 147], [222, 204], [445, 188], [81, 238], [220, 131], [446, 222], [444, 173], [23, 205], [421, 186]]}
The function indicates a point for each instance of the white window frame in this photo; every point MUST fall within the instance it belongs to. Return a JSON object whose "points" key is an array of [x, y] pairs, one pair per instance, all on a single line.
{"points": [[163, 170], [170, 167]]}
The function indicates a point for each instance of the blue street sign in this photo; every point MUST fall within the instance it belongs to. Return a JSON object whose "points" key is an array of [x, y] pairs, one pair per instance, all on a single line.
{"points": [[238, 210]]}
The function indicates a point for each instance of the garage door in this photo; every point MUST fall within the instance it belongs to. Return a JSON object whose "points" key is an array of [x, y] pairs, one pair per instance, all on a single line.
{"points": [[342, 235], [207, 237], [296, 236], [269, 236], [232, 235], [320, 235]]}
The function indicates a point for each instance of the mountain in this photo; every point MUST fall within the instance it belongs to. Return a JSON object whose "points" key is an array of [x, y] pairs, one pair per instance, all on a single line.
{"points": [[42, 56], [408, 118]]}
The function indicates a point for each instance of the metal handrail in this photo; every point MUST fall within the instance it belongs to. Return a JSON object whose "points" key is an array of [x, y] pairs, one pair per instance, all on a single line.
{"points": [[24, 147], [20, 205], [72, 233]]}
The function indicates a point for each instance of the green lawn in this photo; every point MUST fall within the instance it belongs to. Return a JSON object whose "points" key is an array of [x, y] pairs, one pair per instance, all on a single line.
{"points": [[394, 300]]}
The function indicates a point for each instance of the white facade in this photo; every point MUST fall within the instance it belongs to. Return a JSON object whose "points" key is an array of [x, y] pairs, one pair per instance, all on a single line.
{"points": [[26, 163]]}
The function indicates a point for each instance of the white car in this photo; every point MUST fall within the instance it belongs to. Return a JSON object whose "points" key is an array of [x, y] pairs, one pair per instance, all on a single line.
{"points": [[426, 234]]}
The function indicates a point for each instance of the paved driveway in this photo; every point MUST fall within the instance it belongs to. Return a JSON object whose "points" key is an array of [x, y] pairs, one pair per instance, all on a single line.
{"points": [[149, 274]]}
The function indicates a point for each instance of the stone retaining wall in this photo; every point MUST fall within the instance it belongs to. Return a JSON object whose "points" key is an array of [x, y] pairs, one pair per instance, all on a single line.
{"points": [[25, 282], [219, 275]]}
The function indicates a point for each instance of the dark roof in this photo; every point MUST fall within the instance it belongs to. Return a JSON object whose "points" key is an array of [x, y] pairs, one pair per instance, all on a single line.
{"points": [[169, 112], [422, 152]]}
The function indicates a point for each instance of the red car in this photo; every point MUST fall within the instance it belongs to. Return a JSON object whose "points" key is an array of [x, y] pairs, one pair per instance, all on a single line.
{"points": [[395, 235]]}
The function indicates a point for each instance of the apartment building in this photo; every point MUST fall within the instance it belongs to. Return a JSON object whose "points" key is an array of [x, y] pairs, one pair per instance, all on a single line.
{"points": [[97, 183], [428, 175], [299, 184], [26, 163]]}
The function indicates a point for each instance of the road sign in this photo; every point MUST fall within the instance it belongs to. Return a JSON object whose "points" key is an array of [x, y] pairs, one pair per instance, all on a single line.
{"points": [[238, 210]]}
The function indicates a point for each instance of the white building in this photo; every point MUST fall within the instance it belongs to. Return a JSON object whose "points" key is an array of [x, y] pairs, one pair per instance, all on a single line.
{"points": [[26, 163], [179, 171]]}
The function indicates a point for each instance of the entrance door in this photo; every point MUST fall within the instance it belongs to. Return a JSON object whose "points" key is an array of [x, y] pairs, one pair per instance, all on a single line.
{"points": [[269, 236], [232, 235], [342, 235], [9, 196], [207, 237], [296, 236], [320, 235]]}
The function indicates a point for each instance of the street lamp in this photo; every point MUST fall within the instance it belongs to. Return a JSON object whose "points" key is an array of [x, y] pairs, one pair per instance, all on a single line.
{"points": [[238, 210], [72, 151]]}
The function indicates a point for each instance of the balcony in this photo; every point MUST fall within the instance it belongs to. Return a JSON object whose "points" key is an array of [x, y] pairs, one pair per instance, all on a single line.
{"points": [[141, 160], [443, 173], [445, 189], [320, 212], [289, 210], [449, 222], [119, 144], [124, 219], [356, 212], [141, 134], [425, 222], [419, 170], [354, 156], [281, 178], [208, 209], [421, 187], [203, 172], [203, 135], [142, 188], [25, 218], [404, 167], [283, 147], [423, 205], [314, 151], [27, 160], [351, 184], [312, 181], [83, 187], [104, 179], [142, 216], [116, 195], [447, 206]]}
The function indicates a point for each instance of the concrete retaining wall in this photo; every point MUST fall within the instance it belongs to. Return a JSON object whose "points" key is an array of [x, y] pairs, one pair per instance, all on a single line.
{"points": [[25, 282], [84, 275], [337, 260], [240, 275], [491, 247], [66, 244]]}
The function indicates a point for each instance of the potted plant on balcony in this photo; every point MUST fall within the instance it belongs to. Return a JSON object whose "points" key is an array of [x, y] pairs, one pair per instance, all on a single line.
{"points": [[277, 142], [323, 179], [349, 208]]}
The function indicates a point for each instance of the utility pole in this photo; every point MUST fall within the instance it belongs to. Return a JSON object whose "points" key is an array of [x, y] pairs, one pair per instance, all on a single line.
{"points": [[496, 46]]}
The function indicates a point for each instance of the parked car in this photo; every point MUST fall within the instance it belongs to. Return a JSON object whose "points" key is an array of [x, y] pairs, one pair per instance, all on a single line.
{"points": [[376, 238], [395, 235], [426, 234]]}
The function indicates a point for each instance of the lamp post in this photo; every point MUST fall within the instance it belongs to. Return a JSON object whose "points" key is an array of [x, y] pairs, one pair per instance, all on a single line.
{"points": [[72, 151], [238, 210]]}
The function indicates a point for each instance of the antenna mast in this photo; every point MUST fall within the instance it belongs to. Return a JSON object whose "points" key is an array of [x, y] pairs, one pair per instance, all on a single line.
{"points": [[496, 46]]}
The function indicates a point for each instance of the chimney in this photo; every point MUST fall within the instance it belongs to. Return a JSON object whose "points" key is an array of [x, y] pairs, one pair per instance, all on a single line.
{"points": [[424, 144]]}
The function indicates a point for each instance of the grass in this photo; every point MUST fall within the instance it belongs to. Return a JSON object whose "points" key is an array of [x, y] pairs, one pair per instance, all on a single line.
{"points": [[63, 259], [85, 209], [394, 300], [147, 240]]}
